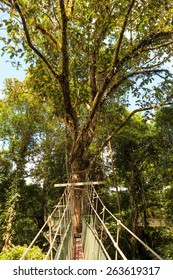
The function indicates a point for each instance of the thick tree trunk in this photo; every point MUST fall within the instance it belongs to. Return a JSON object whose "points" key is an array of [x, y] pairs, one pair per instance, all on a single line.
{"points": [[78, 174]]}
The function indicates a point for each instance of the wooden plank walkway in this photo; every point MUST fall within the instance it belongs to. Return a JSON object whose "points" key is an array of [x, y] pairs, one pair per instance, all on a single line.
{"points": [[78, 252]]}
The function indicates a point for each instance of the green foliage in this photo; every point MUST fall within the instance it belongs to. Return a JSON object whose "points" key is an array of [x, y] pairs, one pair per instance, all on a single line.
{"points": [[16, 253], [142, 158], [30, 136], [160, 238], [168, 251], [85, 61], [168, 205], [138, 37]]}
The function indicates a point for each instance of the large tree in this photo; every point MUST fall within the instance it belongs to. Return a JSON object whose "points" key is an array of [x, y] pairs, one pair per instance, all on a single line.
{"points": [[82, 54]]}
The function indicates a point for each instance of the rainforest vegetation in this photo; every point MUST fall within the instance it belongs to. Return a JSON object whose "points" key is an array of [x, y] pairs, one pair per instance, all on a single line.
{"points": [[70, 119]]}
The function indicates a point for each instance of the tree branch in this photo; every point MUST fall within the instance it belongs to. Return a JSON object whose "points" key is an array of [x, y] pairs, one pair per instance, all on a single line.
{"points": [[143, 71], [136, 51], [65, 70], [101, 95], [6, 2], [99, 35], [94, 109], [93, 84], [160, 46], [47, 34], [143, 46], [122, 32], [40, 55], [124, 122], [64, 79]]}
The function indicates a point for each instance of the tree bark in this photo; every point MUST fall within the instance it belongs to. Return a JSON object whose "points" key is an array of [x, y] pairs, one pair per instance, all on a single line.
{"points": [[78, 174]]}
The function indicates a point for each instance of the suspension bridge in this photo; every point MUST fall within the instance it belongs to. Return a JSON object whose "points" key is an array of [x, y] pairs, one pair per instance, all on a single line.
{"points": [[101, 236]]}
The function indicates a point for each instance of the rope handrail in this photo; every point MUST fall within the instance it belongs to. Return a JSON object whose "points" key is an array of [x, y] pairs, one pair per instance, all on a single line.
{"points": [[99, 241], [62, 242], [63, 221], [120, 223], [42, 228], [35, 238], [57, 230], [108, 233]]}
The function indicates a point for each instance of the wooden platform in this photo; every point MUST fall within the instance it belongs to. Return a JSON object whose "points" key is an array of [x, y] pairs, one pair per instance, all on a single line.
{"points": [[78, 252]]}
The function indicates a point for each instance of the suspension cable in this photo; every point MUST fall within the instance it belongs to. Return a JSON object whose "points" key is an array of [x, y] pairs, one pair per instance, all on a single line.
{"points": [[120, 223], [108, 233], [57, 231], [47, 221]]}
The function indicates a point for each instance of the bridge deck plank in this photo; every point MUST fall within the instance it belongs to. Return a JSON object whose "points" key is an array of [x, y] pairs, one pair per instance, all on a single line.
{"points": [[78, 252]]}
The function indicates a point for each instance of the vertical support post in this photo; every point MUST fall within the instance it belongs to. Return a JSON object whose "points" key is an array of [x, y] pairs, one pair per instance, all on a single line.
{"points": [[117, 241], [96, 206], [50, 238], [63, 203], [103, 219], [59, 214], [101, 235], [91, 197]]}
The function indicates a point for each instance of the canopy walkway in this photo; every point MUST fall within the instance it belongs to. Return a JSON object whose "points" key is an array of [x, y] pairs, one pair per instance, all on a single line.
{"points": [[101, 230]]}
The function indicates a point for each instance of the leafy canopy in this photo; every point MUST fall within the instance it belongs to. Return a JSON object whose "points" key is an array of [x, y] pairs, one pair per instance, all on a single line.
{"points": [[84, 53]]}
